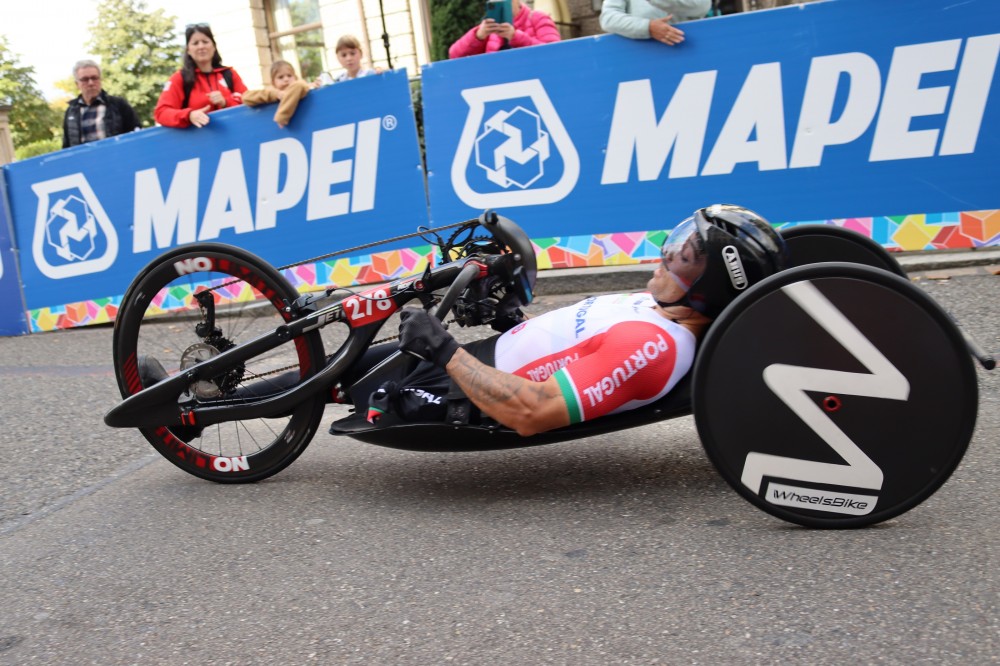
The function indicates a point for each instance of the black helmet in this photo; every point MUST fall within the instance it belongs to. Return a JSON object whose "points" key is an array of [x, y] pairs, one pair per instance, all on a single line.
{"points": [[739, 248]]}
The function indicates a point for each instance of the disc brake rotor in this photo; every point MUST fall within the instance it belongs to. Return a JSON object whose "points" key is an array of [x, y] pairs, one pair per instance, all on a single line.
{"points": [[217, 386]]}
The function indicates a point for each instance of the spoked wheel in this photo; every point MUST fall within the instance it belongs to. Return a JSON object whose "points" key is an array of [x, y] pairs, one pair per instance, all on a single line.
{"points": [[190, 305], [835, 395]]}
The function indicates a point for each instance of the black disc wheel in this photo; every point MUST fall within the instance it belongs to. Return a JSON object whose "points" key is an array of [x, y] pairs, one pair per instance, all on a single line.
{"points": [[815, 243], [192, 304], [835, 395]]}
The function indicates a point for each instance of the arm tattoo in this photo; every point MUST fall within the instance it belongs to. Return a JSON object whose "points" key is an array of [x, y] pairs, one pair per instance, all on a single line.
{"points": [[499, 394], [482, 382]]}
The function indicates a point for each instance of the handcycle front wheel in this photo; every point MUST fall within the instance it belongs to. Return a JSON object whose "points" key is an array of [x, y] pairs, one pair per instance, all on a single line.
{"points": [[835, 395], [196, 302]]}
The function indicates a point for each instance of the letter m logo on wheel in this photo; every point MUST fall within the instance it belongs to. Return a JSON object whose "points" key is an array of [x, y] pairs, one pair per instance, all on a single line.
{"points": [[792, 384], [73, 234]]}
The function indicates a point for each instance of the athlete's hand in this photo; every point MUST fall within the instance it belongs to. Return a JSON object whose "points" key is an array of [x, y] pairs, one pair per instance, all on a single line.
{"points": [[422, 335]]}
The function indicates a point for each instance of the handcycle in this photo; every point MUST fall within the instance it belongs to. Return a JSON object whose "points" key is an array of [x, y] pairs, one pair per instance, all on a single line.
{"points": [[849, 396]]}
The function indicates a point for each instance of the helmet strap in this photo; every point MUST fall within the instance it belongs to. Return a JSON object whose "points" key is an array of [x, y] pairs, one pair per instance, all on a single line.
{"points": [[683, 300]]}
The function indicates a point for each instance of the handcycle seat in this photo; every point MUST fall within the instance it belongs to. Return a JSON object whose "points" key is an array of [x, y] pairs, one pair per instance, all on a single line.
{"points": [[393, 432]]}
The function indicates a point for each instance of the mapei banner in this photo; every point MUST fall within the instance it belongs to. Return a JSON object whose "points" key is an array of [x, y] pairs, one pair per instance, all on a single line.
{"points": [[12, 319], [346, 171], [881, 114]]}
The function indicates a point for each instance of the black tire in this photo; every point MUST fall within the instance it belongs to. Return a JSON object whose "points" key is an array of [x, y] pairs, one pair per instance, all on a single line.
{"points": [[843, 415], [157, 318], [816, 243]]}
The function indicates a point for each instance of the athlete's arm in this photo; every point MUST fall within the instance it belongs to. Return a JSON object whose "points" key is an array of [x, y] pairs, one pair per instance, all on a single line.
{"points": [[518, 403]]}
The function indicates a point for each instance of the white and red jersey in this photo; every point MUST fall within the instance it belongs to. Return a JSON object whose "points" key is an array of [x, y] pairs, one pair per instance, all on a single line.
{"points": [[608, 353]]}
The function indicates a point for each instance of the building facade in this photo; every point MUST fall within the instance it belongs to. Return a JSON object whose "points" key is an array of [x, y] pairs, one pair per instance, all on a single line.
{"points": [[254, 33], [393, 33]]}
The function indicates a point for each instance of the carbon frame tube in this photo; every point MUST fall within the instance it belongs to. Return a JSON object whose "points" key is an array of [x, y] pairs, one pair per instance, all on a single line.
{"points": [[158, 404]]}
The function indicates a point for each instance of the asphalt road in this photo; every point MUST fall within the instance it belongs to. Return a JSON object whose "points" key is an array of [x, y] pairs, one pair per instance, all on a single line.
{"points": [[623, 549]]}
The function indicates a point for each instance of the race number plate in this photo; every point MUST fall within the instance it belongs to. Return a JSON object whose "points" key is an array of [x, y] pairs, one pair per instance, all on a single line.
{"points": [[368, 307]]}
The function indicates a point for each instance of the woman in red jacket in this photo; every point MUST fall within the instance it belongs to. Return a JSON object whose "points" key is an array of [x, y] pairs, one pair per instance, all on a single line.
{"points": [[530, 27], [202, 85]]}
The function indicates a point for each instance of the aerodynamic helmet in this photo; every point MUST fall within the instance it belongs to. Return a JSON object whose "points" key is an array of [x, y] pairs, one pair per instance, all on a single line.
{"points": [[717, 253]]}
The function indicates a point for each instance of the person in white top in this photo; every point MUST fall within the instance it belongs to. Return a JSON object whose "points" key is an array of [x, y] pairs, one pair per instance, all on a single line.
{"points": [[610, 353], [651, 19]]}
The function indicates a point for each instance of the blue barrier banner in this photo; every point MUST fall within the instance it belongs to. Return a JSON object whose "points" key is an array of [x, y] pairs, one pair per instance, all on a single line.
{"points": [[346, 171], [12, 318], [838, 109]]}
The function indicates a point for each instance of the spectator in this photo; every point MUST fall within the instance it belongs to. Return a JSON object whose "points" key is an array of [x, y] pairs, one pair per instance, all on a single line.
{"points": [[201, 85], [655, 19], [95, 114], [530, 27], [350, 56], [286, 88]]}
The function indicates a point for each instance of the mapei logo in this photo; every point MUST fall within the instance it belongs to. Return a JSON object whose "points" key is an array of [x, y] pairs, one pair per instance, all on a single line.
{"points": [[514, 149], [73, 234]]}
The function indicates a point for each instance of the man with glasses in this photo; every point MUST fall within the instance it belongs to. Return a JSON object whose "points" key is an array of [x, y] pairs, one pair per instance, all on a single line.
{"points": [[95, 114]]}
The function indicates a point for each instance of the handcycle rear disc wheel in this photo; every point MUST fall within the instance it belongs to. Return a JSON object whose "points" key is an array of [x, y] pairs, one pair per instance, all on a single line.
{"points": [[161, 317]]}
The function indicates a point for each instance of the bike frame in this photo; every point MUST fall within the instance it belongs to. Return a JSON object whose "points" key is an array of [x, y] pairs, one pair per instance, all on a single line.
{"points": [[164, 404]]}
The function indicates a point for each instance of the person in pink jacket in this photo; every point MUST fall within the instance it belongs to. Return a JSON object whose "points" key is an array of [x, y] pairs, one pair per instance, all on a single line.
{"points": [[530, 28]]}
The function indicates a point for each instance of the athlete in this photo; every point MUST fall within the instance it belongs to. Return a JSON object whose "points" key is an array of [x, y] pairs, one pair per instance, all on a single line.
{"points": [[605, 354], [609, 353]]}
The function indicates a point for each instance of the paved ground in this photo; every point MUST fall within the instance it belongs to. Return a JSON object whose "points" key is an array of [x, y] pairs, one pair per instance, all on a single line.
{"points": [[613, 550]]}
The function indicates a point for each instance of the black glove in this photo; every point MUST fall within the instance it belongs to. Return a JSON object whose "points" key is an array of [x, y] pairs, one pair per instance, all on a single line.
{"points": [[422, 335]]}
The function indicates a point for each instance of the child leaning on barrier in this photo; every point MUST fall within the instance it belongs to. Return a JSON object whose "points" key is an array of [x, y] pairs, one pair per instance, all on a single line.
{"points": [[286, 88]]}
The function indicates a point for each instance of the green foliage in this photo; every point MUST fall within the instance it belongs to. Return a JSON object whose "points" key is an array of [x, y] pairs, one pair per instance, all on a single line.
{"points": [[30, 117], [36, 148], [305, 48], [308, 45], [68, 86], [138, 51], [450, 19]]}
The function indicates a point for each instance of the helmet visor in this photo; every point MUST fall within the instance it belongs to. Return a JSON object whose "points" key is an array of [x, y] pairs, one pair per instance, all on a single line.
{"points": [[683, 254]]}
